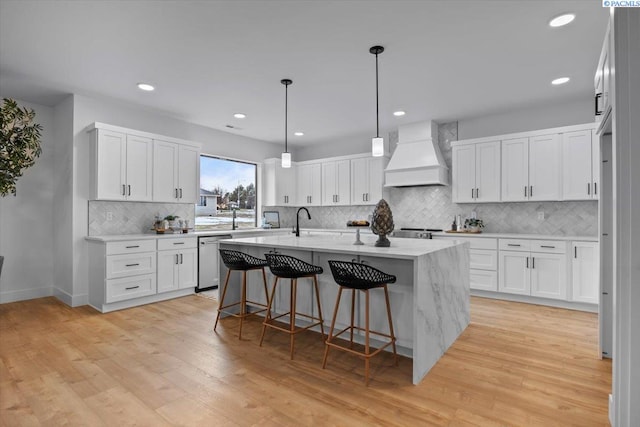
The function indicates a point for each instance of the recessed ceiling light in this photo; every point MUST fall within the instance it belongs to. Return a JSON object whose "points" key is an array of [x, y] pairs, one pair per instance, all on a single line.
{"points": [[399, 113], [299, 133], [239, 115], [145, 86], [560, 81], [562, 20]]}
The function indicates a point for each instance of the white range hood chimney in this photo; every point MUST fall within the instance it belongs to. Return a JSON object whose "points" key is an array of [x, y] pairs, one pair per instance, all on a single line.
{"points": [[417, 159]]}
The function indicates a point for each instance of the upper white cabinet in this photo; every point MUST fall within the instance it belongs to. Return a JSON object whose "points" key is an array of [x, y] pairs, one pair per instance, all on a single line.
{"points": [[279, 184], [136, 166], [476, 172], [531, 168], [309, 177], [602, 79], [580, 166], [176, 170], [336, 183], [122, 166], [585, 272], [367, 180]]}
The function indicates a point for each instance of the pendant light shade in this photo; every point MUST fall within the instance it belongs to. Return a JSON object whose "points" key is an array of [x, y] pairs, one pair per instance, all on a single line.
{"points": [[377, 143], [286, 156]]}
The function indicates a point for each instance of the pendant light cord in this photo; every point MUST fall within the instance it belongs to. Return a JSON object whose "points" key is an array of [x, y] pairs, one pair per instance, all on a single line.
{"points": [[286, 114], [377, 112]]}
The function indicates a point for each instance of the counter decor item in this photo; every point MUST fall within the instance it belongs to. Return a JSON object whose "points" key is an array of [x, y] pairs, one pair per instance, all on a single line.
{"points": [[473, 225], [382, 223], [358, 224]]}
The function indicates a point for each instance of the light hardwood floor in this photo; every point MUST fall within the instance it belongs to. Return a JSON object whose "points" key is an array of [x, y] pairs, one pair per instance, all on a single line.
{"points": [[161, 364]]}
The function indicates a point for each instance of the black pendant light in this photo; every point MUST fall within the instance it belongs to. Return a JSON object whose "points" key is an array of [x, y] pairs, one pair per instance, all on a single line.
{"points": [[286, 156], [377, 143]]}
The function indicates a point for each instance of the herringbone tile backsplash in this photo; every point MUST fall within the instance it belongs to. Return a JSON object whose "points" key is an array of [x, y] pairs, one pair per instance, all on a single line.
{"points": [[132, 217], [431, 207]]}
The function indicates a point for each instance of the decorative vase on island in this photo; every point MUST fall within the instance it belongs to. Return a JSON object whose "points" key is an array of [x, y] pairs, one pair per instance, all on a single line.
{"points": [[382, 223]]}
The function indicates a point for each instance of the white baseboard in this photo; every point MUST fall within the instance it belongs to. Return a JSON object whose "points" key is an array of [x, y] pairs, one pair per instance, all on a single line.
{"points": [[580, 306], [71, 300], [612, 415], [25, 294]]}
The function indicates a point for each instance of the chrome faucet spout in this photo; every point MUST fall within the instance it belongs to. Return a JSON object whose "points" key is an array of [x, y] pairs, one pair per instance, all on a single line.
{"points": [[298, 219]]}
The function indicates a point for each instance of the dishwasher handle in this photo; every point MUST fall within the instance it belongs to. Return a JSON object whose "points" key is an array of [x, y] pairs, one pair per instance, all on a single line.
{"points": [[214, 240]]}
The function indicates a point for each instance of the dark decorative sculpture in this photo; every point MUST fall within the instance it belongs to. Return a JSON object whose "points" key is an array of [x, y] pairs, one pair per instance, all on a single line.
{"points": [[382, 223]]}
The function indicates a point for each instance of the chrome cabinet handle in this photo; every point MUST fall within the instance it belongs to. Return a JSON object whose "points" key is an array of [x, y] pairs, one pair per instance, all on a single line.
{"points": [[588, 188], [511, 244], [181, 193], [133, 246], [527, 262], [181, 259], [525, 191], [477, 193], [337, 198], [549, 247], [178, 243], [176, 196], [531, 191], [575, 252], [533, 262], [124, 190], [129, 189], [177, 258], [132, 265], [472, 196], [131, 287], [595, 188], [598, 110]]}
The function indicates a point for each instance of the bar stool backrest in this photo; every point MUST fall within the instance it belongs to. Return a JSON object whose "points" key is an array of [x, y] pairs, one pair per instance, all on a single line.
{"points": [[290, 267], [359, 276], [236, 260]]}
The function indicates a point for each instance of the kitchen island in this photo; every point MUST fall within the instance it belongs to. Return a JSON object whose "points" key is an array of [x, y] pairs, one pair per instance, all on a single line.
{"points": [[429, 301]]}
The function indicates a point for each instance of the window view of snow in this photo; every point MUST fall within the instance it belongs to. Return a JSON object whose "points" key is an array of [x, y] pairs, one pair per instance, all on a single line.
{"points": [[227, 194]]}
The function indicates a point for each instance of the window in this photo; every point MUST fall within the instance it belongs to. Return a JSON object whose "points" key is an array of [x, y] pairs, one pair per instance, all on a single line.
{"points": [[227, 194]]}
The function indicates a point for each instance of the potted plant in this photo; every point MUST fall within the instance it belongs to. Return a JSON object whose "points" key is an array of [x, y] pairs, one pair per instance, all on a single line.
{"points": [[19, 145], [474, 225], [171, 219]]}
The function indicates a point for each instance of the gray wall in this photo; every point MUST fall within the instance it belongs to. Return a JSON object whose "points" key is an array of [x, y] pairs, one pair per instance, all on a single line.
{"points": [[26, 223]]}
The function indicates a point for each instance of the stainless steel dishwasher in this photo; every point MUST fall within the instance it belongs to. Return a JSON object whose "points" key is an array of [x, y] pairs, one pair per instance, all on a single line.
{"points": [[209, 262]]}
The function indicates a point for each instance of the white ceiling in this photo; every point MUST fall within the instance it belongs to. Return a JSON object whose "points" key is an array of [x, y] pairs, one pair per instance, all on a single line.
{"points": [[443, 60]]}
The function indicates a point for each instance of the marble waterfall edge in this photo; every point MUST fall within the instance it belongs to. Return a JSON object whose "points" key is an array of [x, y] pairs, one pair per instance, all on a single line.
{"points": [[441, 305]]}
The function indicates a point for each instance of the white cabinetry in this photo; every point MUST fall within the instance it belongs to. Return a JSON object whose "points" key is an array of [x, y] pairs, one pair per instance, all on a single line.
{"points": [[279, 184], [121, 165], [531, 168], [309, 177], [602, 80], [580, 166], [336, 180], [483, 261], [177, 264], [585, 271], [476, 172], [533, 267], [176, 172], [367, 180]]}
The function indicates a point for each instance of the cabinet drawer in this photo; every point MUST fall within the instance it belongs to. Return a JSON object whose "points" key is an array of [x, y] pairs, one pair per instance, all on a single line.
{"points": [[484, 280], [474, 242], [177, 243], [130, 287], [483, 260], [130, 265], [131, 246], [515, 245], [549, 246]]}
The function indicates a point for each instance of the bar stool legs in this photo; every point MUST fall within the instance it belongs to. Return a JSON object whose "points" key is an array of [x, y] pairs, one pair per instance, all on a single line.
{"points": [[243, 300], [367, 354], [291, 328]]}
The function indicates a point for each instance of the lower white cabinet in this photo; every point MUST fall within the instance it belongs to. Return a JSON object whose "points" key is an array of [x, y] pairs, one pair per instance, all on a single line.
{"points": [[483, 261], [533, 267], [127, 273], [177, 268], [585, 272]]}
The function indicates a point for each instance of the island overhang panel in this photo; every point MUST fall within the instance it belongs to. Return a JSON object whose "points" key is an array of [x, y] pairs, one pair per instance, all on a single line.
{"points": [[438, 293]]}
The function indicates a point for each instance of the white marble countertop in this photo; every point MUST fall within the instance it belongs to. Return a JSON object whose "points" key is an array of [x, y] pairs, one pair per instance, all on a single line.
{"points": [[519, 236], [192, 234], [333, 243]]}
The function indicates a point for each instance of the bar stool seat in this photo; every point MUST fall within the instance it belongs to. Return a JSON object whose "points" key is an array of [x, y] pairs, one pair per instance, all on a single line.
{"points": [[239, 261], [360, 277], [288, 267]]}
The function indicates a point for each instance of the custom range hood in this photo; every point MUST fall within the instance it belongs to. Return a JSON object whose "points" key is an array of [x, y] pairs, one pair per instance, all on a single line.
{"points": [[417, 159]]}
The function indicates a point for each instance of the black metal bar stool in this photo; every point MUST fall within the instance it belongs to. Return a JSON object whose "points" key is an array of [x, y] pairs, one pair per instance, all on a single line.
{"points": [[288, 267], [360, 277], [240, 261]]}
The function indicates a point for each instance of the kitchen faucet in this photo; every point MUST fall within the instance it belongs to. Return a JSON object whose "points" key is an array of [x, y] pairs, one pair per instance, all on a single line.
{"points": [[298, 219]]}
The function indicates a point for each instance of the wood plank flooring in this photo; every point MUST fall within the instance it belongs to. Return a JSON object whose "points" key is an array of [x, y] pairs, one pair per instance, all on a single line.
{"points": [[161, 364]]}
